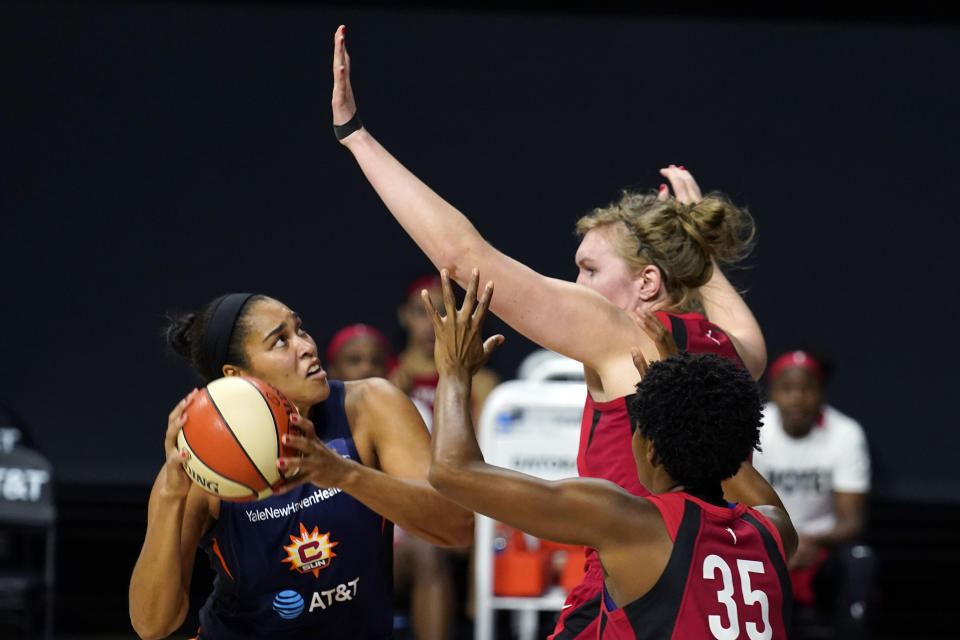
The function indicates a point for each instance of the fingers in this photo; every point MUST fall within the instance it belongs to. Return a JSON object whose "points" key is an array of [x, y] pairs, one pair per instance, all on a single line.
{"points": [[432, 312], [656, 331], [176, 419], [666, 345], [685, 188], [176, 457], [181, 406], [639, 361], [692, 186], [427, 303], [490, 344], [337, 60], [339, 49], [315, 462], [663, 193], [485, 297], [679, 185], [291, 483], [650, 325], [305, 425], [449, 300], [343, 104], [471, 297]]}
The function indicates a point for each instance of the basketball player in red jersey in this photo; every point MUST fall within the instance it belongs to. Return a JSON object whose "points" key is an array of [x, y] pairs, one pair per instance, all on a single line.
{"points": [[680, 563], [654, 253]]}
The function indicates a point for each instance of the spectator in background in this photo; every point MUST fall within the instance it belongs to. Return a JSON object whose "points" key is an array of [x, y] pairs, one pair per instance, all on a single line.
{"points": [[416, 372], [419, 568], [817, 460], [359, 351]]}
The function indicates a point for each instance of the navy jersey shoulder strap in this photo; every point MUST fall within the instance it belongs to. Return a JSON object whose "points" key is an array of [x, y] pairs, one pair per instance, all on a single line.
{"points": [[329, 417]]}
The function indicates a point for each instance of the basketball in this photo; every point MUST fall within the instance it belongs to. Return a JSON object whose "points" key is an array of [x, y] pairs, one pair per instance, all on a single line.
{"points": [[232, 438]]}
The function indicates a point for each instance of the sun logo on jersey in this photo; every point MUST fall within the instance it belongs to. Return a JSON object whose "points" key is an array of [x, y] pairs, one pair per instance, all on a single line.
{"points": [[310, 552]]}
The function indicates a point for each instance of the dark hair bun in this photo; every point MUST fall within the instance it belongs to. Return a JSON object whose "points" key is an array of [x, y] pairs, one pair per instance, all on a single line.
{"points": [[178, 334]]}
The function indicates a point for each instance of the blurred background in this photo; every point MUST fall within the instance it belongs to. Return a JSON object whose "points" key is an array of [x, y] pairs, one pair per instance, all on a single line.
{"points": [[155, 155]]}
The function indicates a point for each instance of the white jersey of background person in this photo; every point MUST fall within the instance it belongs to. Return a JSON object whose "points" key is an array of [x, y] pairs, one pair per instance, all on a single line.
{"points": [[806, 471]]}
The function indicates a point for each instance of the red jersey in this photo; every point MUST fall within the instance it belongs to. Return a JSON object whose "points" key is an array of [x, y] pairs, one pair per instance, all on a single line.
{"points": [[423, 388], [726, 578], [694, 333], [606, 452]]}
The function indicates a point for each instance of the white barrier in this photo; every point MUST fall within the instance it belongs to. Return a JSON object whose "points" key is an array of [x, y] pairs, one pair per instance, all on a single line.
{"points": [[531, 426]]}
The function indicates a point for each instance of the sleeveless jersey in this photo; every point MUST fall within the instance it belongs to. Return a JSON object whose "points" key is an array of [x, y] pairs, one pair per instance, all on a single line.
{"points": [[312, 563], [726, 578], [606, 452]]}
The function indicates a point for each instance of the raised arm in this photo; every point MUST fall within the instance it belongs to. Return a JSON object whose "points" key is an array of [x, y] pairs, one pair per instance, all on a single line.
{"points": [[727, 309], [577, 511], [557, 315], [723, 304]]}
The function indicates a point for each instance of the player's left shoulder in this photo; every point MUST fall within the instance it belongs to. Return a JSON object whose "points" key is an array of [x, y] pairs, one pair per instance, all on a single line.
{"points": [[369, 390], [372, 397]]}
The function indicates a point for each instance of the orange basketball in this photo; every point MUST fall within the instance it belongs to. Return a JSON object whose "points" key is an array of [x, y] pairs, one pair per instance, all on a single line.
{"points": [[233, 438]]}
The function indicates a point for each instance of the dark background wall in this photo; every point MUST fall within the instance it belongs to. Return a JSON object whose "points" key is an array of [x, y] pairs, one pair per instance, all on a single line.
{"points": [[157, 155]]}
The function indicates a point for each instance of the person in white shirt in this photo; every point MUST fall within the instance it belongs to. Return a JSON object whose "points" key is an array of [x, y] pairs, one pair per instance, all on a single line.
{"points": [[817, 460]]}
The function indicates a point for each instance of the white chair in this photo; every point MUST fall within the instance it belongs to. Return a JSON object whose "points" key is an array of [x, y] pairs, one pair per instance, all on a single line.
{"points": [[531, 426], [544, 364]]}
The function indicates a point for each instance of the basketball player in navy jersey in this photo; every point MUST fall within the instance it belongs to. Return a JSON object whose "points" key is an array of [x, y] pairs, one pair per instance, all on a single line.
{"points": [[652, 252], [315, 560], [679, 563]]}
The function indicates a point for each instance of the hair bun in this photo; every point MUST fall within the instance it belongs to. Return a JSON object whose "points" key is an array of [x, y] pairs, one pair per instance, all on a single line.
{"points": [[724, 230], [177, 334]]}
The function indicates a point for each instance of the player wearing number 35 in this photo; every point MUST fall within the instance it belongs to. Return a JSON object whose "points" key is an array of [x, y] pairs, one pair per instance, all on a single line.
{"points": [[680, 563]]}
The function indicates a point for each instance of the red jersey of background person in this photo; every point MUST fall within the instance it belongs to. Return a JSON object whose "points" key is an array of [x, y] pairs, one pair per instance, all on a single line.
{"points": [[726, 578], [606, 452], [423, 388]]}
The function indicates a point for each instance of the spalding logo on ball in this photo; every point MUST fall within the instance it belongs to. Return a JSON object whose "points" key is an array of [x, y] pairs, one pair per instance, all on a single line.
{"points": [[233, 438]]}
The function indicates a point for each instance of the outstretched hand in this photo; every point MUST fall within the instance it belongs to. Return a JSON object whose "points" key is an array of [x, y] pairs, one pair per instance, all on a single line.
{"points": [[666, 346], [343, 103], [685, 188], [458, 345]]}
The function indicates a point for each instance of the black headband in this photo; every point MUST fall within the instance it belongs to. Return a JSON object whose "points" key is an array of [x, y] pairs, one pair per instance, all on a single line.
{"points": [[216, 338]]}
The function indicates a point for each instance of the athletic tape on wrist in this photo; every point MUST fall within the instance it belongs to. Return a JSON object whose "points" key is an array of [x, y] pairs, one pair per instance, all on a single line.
{"points": [[351, 125]]}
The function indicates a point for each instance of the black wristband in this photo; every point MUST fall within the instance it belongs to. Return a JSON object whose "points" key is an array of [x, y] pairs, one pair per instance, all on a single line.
{"points": [[351, 125]]}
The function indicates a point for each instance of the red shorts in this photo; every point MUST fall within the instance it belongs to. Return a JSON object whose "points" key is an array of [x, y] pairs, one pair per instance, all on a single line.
{"points": [[802, 580], [581, 610]]}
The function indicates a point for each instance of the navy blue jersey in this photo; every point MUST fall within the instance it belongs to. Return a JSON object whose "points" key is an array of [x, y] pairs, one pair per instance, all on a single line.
{"points": [[312, 563]]}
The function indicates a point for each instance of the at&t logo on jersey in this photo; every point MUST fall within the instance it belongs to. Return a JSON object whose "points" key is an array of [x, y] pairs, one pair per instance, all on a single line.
{"points": [[288, 604], [310, 552]]}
